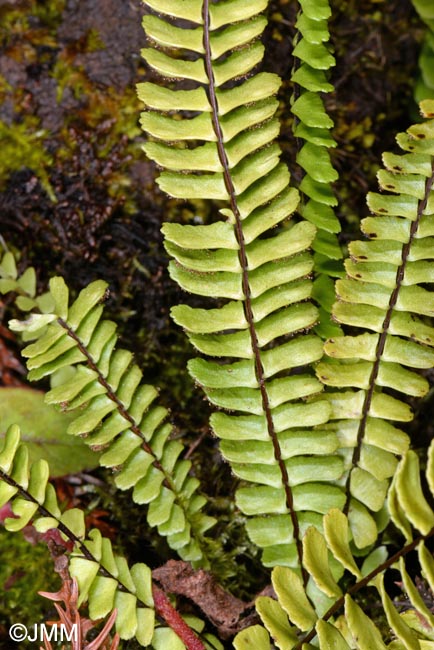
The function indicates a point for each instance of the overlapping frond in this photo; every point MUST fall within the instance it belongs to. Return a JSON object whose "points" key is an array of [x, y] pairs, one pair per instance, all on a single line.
{"points": [[223, 127], [312, 128], [116, 412], [332, 619], [387, 293], [104, 578]]}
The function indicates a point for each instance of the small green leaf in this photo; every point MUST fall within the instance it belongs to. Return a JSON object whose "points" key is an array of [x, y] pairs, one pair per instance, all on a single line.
{"points": [[373, 560], [309, 108], [336, 532], [177, 68], [312, 79], [230, 12], [315, 54], [330, 638], [85, 571], [12, 438], [409, 490], [142, 577], [145, 625], [164, 638], [168, 35], [254, 637], [276, 622], [316, 561], [315, 31], [316, 9], [126, 620], [291, 594], [74, 520], [60, 294], [191, 10], [362, 524], [27, 282], [8, 267], [102, 596], [365, 634], [33, 323]]}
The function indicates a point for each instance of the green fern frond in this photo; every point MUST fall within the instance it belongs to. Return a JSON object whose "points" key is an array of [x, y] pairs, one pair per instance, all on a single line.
{"points": [[312, 128], [328, 617], [104, 579], [257, 332], [385, 294], [116, 412]]}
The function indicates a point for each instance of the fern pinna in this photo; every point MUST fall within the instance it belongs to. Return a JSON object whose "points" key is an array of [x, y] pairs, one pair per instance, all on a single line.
{"points": [[116, 410], [258, 276], [336, 621], [383, 294]]}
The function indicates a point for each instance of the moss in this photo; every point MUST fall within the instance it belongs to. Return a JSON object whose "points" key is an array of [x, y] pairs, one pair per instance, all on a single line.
{"points": [[23, 146], [25, 569]]}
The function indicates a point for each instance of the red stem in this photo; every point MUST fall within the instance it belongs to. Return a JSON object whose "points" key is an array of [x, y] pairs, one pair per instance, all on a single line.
{"points": [[173, 619]]}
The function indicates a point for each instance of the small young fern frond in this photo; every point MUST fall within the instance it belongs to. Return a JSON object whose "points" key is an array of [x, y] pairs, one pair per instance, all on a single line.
{"points": [[258, 276], [383, 294], [312, 129], [117, 413], [104, 579], [336, 620]]}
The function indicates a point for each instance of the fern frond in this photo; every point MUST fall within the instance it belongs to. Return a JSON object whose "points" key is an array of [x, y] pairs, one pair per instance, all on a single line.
{"points": [[331, 617], [258, 277], [312, 128], [104, 579], [385, 293], [116, 412]]}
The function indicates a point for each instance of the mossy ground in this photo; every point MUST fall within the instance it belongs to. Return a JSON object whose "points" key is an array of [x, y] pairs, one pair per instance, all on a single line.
{"points": [[78, 197], [25, 569]]}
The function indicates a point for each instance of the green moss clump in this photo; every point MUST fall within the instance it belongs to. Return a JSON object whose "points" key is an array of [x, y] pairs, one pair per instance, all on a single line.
{"points": [[23, 146], [25, 569]]}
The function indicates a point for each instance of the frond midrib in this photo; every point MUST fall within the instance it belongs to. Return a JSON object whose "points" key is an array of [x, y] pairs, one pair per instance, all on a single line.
{"points": [[24, 494], [383, 335], [247, 303], [135, 428]]}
